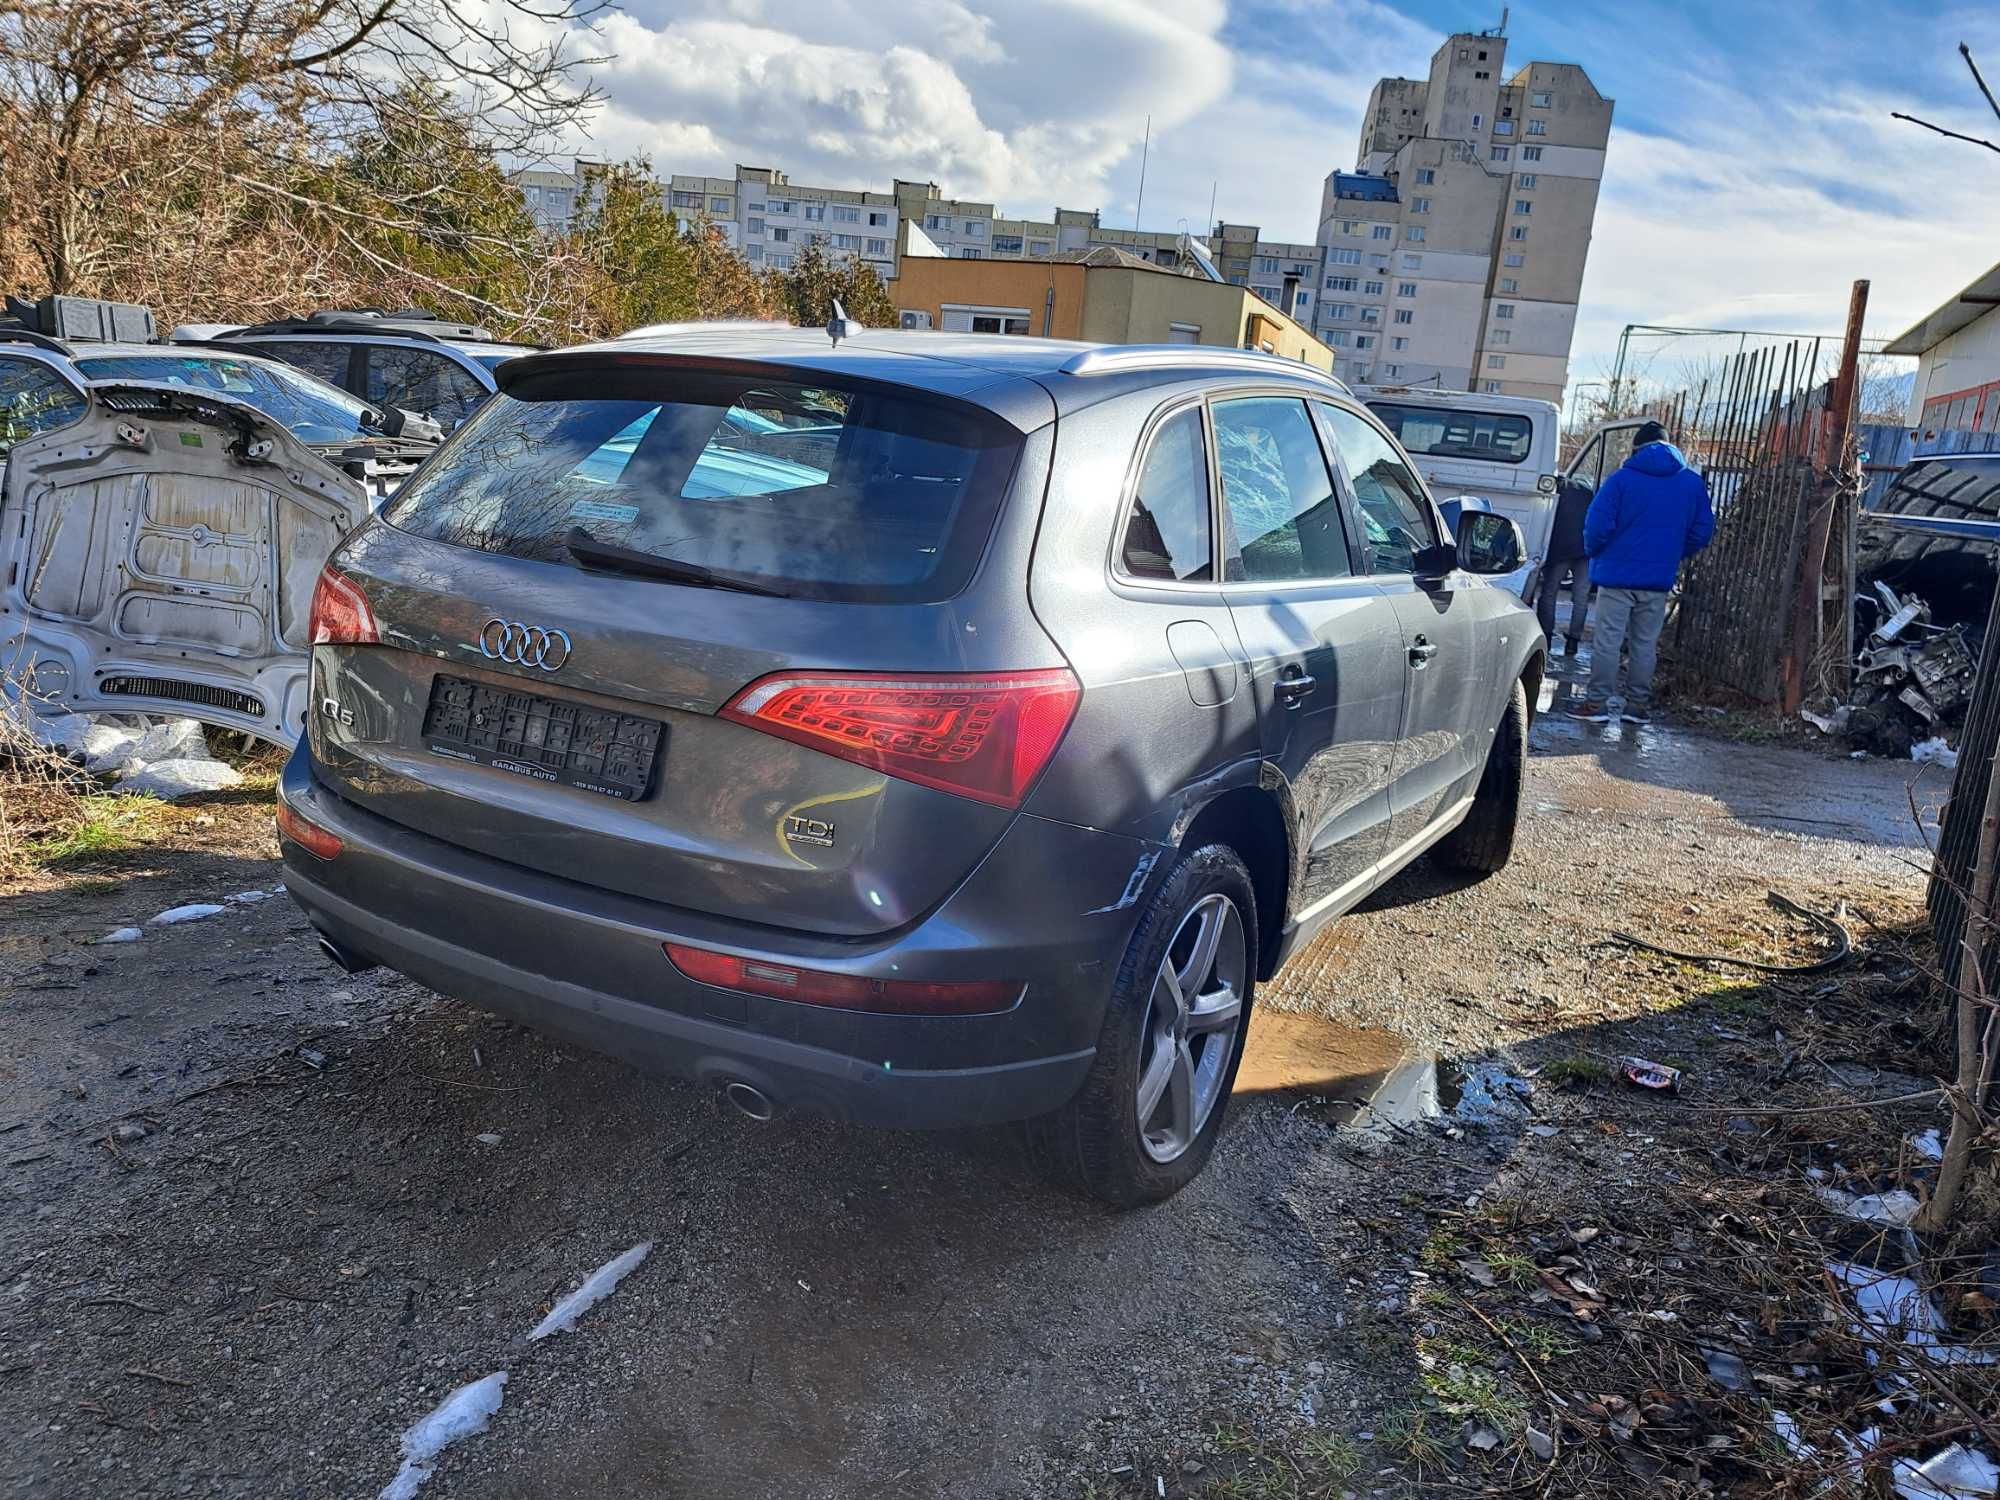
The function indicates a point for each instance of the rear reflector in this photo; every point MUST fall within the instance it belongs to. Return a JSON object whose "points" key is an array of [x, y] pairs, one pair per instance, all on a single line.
{"points": [[985, 735], [308, 835], [340, 611], [901, 997]]}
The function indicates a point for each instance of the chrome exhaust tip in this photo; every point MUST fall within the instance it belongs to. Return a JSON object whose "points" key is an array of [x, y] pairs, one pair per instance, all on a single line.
{"points": [[750, 1099]]}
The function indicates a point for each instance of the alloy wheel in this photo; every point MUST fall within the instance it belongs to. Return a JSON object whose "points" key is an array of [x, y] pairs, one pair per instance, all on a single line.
{"points": [[1190, 1026]]}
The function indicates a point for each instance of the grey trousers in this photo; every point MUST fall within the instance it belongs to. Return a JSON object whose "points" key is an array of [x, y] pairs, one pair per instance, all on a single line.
{"points": [[1629, 618], [1552, 590]]}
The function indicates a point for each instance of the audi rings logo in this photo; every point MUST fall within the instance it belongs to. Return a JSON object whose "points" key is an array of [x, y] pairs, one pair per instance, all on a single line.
{"points": [[523, 645]]}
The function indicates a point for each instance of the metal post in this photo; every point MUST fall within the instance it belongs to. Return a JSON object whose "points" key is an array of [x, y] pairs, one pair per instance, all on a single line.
{"points": [[1806, 602]]}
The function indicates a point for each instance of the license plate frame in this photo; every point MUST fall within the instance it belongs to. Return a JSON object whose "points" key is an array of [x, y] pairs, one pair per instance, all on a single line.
{"points": [[596, 750]]}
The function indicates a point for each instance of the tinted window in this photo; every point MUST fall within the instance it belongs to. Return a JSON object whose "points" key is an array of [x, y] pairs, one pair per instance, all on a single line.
{"points": [[1283, 518], [423, 381], [324, 358], [823, 491], [1167, 533], [313, 410], [1435, 432], [1395, 510], [34, 398]]}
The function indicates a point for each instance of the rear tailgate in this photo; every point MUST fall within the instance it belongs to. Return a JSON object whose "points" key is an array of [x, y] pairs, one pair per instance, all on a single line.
{"points": [[565, 718]]}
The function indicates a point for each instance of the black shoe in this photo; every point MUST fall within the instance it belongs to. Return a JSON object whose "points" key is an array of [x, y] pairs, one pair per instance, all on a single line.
{"points": [[1575, 644], [1633, 715]]}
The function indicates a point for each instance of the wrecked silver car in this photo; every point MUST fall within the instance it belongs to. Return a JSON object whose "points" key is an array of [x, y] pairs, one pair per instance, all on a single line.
{"points": [[159, 549]]}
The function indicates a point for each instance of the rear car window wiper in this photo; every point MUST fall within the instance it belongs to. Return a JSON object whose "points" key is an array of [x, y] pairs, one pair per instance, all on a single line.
{"points": [[592, 553]]}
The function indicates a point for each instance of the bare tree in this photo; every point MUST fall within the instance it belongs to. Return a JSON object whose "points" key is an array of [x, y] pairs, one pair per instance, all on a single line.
{"points": [[221, 114]]}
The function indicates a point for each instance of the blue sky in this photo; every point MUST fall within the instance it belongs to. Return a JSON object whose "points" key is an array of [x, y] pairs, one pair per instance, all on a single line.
{"points": [[1753, 170]]}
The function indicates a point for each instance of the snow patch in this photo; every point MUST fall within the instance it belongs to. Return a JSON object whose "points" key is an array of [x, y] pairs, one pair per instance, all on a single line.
{"points": [[464, 1412], [1896, 1309], [596, 1287], [247, 898], [122, 935], [1959, 1473], [194, 911]]}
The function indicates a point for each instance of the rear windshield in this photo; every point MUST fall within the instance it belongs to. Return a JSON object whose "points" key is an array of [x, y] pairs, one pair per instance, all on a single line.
{"points": [[1500, 437], [820, 491]]}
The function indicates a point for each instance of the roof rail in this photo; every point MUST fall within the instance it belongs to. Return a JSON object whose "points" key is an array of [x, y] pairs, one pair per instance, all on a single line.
{"points": [[655, 330], [1112, 361], [410, 322]]}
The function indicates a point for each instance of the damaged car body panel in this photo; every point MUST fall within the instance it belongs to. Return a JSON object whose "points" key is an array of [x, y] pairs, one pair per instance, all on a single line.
{"points": [[159, 556]]}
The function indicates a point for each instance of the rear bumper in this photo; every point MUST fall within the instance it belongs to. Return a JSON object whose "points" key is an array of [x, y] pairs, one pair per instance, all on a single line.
{"points": [[1047, 906]]}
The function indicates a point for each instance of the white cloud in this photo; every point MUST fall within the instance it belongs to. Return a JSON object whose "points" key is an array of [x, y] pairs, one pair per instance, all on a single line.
{"points": [[1758, 209]]}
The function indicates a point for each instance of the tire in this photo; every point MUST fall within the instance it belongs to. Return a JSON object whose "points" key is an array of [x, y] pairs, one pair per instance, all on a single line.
{"points": [[1096, 1144], [1484, 842]]}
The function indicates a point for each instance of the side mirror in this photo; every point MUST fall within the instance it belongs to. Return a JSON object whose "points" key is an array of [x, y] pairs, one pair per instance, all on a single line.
{"points": [[1489, 543]]}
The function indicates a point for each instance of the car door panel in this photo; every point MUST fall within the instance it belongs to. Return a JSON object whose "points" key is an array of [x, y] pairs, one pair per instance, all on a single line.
{"points": [[1441, 743], [1321, 644]]}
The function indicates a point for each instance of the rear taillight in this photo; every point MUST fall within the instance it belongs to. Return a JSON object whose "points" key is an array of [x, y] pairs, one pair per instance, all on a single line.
{"points": [[308, 835], [985, 735], [340, 612], [902, 997]]}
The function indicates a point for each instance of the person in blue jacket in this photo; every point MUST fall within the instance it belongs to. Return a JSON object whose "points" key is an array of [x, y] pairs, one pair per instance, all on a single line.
{"points": [[1645, 521]]}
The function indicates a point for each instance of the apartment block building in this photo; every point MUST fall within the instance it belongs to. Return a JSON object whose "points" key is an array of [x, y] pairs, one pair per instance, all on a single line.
{"points": [[1455, 251]]}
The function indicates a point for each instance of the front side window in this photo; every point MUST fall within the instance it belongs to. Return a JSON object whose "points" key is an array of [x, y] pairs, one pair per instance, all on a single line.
{"points": [[1278, 498], [1395, 512], [813, 490], [422, 380], [34, 398], [1167, 529]]}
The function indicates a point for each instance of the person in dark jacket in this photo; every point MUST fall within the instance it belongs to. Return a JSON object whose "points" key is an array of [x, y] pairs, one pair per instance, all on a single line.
{"points": [[1645, 521], [1566, 556]]}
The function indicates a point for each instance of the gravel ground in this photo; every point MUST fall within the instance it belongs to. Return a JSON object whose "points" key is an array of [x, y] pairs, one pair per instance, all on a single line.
{"points": [[311, 1243]]}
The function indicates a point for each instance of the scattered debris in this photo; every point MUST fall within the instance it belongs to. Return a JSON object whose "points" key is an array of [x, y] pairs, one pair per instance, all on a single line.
{"points": [[596, 1287], [193, 912], [1728, 1371], [249, 898], [464, 1412], [1958, 1473], [1650, 1075], [1929, 1144], [1481, 1438], [487, 1138], [1894, 1308], [173, 779], [1897, 1208], [1936, 752], [129, 1132], [122, 935]]}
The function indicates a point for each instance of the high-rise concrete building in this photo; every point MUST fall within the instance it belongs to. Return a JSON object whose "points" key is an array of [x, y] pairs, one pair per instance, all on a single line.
{"points": [[1455, 250]]}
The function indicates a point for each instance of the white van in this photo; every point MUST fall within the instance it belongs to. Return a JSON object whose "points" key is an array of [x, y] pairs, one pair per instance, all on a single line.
{"points": [[1501, 448]]}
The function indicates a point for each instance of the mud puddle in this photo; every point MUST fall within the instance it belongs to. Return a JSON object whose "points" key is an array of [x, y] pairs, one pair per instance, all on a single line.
{"points": [[1364, 1076]]}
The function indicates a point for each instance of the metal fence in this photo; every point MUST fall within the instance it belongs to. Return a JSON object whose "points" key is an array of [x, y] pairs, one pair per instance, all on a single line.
{"points": [[1760, 428], [1958, 835]]}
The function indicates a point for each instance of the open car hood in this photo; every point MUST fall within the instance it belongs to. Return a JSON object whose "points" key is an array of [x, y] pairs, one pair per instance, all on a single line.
{"points": [[159, 556]]}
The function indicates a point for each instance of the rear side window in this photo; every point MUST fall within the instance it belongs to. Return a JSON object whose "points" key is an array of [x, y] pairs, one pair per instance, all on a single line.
{"points": [[1167, 533], [34, 398], [421, 381], [1395, 509], [820, 491], [1276, 492], [1436, 432], [322, 357]]}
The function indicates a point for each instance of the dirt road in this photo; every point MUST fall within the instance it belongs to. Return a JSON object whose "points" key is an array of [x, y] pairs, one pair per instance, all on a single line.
{"points": [[351, 1195]]}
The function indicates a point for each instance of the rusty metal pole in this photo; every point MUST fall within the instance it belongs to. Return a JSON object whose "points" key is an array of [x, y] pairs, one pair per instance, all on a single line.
{"points": [[1832, 465]]}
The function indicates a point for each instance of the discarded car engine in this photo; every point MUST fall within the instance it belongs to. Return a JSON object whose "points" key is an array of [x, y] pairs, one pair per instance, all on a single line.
{"points": [[1911, 678]]}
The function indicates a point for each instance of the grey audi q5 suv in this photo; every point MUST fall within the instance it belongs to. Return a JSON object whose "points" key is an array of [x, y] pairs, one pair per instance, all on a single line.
{"points": [[921, 729]]}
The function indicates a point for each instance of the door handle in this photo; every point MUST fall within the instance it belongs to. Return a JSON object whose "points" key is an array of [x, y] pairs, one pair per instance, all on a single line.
{"points": [[1293, 687], [1422, 652]]}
